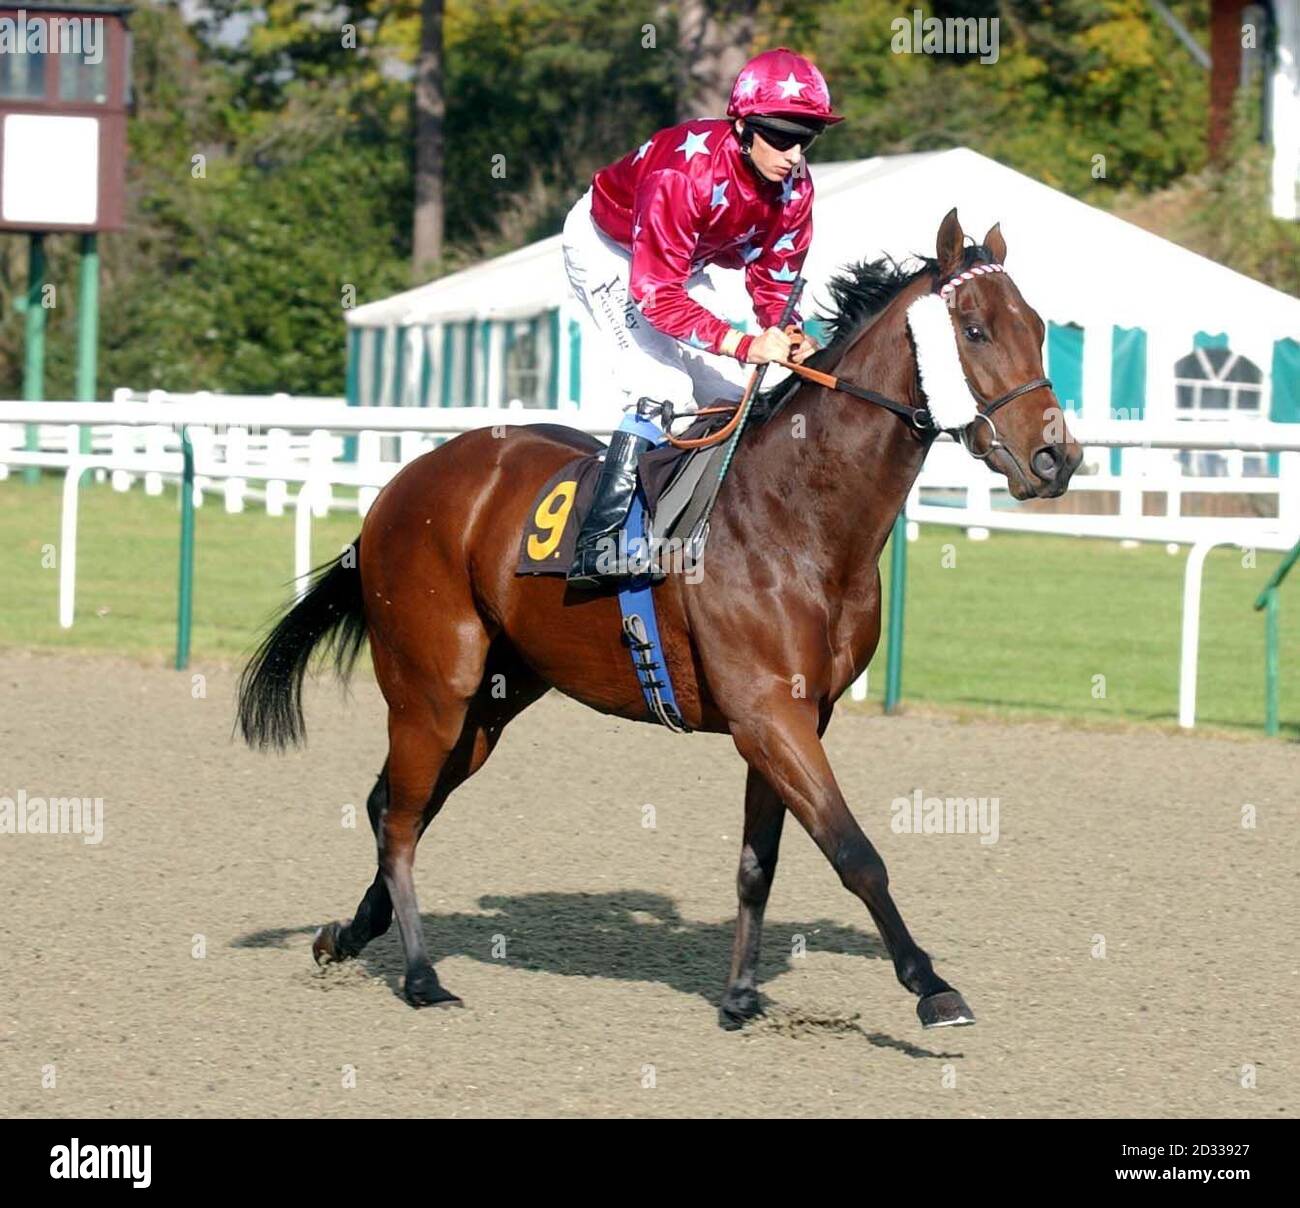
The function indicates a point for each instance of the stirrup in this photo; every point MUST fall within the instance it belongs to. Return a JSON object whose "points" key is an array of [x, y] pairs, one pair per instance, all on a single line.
{"points": [[584, 575]]}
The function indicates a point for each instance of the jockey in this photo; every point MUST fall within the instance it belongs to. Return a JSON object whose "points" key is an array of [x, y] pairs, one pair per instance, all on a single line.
{"points": [[733, 192]]}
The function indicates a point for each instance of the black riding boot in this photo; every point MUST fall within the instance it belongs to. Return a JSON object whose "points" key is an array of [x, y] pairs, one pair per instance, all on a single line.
{"points": [[609, 508]]}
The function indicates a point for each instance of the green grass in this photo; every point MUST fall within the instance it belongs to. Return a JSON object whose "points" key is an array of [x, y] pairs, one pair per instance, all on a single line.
{"points": [[127, 546], [1020, 625]]}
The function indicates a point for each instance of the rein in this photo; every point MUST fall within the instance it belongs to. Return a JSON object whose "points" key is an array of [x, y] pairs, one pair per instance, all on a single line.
{"points": [[918, 417]]}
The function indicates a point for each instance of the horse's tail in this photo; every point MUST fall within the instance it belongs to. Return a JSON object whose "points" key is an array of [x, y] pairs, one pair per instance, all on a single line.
{"points": [[270, 688]]}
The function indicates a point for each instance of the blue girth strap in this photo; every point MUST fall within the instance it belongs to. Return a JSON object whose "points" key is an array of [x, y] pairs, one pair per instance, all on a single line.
{"points": [[637, 604]]}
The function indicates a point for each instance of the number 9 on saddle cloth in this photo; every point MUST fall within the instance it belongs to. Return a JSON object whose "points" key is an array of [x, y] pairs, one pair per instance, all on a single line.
{"points": [[660, 483]]}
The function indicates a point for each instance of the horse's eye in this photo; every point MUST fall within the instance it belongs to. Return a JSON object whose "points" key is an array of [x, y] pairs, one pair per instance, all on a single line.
{"points": [[974, 332]]}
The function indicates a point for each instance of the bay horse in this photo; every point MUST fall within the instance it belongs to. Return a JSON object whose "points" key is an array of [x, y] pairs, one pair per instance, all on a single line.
{"points": [[789, 595]]}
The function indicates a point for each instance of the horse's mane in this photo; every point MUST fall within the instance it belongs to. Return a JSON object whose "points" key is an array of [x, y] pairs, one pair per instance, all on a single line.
{"points": [[859, 292]]}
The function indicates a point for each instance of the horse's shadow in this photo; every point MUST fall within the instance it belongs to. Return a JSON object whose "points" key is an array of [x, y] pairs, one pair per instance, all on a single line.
{"points": [[629, 934]]}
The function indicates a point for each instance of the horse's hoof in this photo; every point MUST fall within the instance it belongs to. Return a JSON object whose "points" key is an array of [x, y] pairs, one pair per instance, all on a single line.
{"points": [[325, 946], [946, 1009], [425, 990], [738, 1008]]}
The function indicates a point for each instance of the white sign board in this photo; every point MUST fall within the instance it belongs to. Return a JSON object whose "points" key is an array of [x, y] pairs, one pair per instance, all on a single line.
{"points": [[51, 169]]}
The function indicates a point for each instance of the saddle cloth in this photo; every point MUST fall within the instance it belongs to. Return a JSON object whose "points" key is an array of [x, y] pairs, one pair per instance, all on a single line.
{"points": [[674, 483]]}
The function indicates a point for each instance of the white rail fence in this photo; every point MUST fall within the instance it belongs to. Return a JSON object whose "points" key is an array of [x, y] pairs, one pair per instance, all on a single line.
{"points": [[264, 433], [1151, 478], [276, 440], [280, 441]]}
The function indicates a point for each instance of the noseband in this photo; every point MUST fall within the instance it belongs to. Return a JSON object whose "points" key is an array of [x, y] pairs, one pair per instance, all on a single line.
{"points": [[985, 414], [919, 417]]}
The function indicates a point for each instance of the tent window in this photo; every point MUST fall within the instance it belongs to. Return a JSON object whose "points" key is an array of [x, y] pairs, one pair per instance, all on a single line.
{"points": [[575, 361], [456, 367], [1215, 383], [528, 355], [445, 366], [352, 385], [1065, 358], [553, 377], [521, 364], [467, 366]]}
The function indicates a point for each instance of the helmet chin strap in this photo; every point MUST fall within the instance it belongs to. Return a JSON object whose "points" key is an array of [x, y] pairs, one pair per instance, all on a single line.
{"points": [[745, 137]]}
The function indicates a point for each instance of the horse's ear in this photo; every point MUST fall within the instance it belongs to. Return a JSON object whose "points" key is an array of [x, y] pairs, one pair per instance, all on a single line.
{"points": [[996, 245], [948, 248]]}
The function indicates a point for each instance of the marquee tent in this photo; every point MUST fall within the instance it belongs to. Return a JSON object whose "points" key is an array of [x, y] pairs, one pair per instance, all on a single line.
{"points": [[1138, 326]]}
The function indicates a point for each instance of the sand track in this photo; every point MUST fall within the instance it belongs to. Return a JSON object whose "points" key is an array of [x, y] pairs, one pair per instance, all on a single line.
{"points": [[591, 950]]}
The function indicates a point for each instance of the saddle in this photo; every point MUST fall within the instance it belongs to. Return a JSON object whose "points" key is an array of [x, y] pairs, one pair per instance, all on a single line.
{"points": [[675, 485]]}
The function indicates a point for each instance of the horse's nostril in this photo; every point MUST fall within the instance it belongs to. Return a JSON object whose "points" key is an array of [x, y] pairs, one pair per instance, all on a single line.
{"points": [[1045, 462]]}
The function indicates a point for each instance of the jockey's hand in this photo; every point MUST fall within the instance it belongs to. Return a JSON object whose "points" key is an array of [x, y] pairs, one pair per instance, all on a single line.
{"points": [[802, 345], [772, 345]]}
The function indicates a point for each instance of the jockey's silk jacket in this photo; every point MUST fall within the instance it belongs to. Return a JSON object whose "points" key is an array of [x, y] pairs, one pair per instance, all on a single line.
{"points": [[687, 197]]}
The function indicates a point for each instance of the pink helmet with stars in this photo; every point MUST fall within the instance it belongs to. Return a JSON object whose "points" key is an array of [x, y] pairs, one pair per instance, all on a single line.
{"points": [[780, 83]]}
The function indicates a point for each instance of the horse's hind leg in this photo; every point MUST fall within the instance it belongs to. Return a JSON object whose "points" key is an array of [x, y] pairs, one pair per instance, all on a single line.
{"points": [[421, 739], [508, 687], [341, 941], [429, 754]]}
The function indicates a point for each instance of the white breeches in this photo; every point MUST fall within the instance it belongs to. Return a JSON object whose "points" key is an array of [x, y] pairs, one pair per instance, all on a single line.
{"points": [[644, 361]]}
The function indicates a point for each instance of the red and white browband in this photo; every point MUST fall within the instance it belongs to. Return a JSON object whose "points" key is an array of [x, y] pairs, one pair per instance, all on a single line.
{"points": [[975, 270]]}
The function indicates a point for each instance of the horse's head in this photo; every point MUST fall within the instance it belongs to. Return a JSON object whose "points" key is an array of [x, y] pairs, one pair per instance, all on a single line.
{"points": [[994, 394]]}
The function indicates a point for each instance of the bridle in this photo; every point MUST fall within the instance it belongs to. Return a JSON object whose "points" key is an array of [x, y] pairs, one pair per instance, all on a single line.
{"points": [[919, 417]]}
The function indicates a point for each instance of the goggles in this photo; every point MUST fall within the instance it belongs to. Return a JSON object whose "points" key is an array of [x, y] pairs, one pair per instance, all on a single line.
{"points": [[782, 135]]}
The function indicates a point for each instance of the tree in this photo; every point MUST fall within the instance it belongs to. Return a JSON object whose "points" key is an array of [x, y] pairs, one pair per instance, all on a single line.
{"points": [[714, 39], [1085, 95], [430, 111]]}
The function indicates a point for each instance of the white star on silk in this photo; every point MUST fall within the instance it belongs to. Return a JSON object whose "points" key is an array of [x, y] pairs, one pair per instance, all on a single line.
{"points": [[790, 86], [746, 84], [645, 146], [784, 273], [788, 192], [719, 200], [694, 340], [694, 144], [747, 235], [786, 242], [750, 253]]}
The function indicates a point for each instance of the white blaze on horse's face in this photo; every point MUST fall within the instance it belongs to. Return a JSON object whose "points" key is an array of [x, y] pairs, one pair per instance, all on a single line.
{"points": [[943, 380]]}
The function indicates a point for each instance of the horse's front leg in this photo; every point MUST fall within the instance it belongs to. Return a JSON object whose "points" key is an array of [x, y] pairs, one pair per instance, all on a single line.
{"points": [[764, 815], [779, 740]]}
